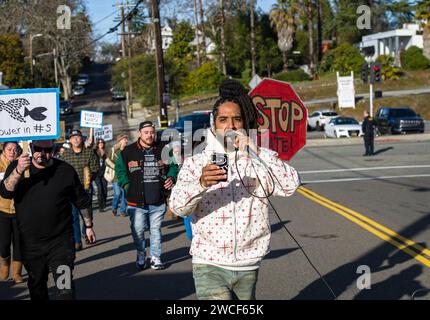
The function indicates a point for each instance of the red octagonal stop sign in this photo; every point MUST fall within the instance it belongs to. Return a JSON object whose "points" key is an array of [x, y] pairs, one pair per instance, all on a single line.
{"points": [[283, 115]]}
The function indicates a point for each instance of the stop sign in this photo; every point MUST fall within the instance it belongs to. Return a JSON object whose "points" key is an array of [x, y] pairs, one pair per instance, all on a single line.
{"points": [[283, 117]]}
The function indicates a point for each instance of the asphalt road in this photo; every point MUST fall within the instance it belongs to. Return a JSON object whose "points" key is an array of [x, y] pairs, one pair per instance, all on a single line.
{"points": [[377, 205], [351, 211], [98, 98]]}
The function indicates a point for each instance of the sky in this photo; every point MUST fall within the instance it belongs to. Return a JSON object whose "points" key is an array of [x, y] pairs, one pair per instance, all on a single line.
{"points": [[103, 14]]}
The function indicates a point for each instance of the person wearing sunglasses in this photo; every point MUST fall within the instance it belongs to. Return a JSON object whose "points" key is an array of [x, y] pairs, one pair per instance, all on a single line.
{"points": [[43, 204]]}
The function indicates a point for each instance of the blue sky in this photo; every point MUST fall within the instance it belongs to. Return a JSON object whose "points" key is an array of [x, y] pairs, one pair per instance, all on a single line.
{"points": [[103, 13]]}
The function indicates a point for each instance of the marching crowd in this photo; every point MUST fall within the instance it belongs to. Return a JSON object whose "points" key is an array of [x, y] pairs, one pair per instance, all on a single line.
{"points": [[46, 210]]}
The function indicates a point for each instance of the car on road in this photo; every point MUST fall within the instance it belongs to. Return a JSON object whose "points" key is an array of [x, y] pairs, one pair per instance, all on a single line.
{"points": [[343, 127], [83, 79], [195, 121], [66, 107], [318, 119], [78, 91], [398, 120]]}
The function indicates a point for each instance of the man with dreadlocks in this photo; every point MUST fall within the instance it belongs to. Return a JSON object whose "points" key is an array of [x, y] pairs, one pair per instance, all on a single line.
{"points": [[229, 208]]}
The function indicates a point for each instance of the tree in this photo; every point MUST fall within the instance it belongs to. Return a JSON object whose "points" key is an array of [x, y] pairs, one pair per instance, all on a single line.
{"points": [[222, 51], [344, 59], [309, 9], [283, 17], [12, 61], [109, 52], [71, 45], [253, 56], [423, 13]]}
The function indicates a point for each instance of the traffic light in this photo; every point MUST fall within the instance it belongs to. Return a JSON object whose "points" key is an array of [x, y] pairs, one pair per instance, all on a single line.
{"points": [[364, 72], [375, 72]]}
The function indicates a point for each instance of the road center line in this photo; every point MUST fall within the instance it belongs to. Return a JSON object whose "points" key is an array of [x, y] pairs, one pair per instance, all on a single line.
{"points": [[372, 226], [365, 169], [367, 178]]}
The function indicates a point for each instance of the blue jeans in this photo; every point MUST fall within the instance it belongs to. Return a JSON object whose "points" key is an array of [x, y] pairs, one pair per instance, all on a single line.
{"points": [[77, 232], [118, 197], [76, 225], [139, 218]]}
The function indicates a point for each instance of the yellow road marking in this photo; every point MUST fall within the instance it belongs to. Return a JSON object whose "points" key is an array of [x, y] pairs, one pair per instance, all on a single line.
{"points": [[352, 216], [371, 222]]}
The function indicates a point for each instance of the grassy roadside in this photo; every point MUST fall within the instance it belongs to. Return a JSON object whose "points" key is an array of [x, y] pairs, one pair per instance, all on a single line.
{"points": [[326, 86]]}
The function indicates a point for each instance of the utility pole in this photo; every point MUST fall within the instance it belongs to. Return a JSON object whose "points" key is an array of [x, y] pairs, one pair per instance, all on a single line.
{"points": [[196, 29], [122, 15], [223, 61], [202, 28], [54, 53], [130, 71], [159, 61]]}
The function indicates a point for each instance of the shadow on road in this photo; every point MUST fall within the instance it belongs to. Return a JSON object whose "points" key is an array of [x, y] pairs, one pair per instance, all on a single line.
{"points": [[382, 150], [124, 282], [383, 257]]}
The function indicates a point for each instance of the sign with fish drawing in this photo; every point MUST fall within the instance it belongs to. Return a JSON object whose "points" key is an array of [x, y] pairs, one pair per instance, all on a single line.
{"points": [[29, 114], [91, 119]]}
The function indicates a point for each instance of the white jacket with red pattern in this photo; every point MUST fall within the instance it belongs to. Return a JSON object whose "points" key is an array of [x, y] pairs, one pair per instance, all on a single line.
{"points": [[231, 228]]}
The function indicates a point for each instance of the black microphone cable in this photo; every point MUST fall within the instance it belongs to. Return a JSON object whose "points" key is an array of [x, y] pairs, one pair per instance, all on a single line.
{"points": [[273, 177]]}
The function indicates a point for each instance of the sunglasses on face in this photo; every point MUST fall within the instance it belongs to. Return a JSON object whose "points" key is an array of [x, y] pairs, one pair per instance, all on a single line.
{"points": [[42, 149]]}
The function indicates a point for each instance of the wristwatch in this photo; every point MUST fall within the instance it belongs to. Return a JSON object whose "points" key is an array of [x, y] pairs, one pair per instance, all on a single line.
{"points": [[90, 227]]}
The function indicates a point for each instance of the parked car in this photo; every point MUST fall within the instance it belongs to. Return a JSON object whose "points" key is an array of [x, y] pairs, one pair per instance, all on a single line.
{"points": [[78, 91], [343, 127], [66, 107], [398, 120], [318, 119], [83, 79]]}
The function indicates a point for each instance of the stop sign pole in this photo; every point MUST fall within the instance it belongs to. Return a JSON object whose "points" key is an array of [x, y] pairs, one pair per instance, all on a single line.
{"points": [[282, 115]]}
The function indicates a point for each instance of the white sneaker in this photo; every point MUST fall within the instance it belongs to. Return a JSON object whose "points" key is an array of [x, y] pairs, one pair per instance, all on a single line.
{"points": [[156, 263]]}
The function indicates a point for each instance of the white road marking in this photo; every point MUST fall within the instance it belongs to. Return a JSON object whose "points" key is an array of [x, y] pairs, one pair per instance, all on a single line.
{"points": [[365, 169], [369, 178]]}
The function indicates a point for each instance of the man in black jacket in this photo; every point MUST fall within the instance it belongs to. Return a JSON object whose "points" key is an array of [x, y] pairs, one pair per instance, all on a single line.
{"points": [[43, 203], [141, 172], [368, 128]]}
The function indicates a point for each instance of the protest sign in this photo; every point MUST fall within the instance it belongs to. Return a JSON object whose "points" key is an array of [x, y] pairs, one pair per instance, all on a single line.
{"points": [[29, 114]]}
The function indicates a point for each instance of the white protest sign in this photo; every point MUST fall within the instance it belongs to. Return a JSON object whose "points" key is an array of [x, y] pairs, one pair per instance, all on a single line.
{"points": [[105, 133], [91, 119], [29, 114], [346, 91]]}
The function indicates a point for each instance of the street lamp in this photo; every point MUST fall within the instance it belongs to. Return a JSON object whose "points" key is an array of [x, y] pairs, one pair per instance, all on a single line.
{"points": [[31, 54]]}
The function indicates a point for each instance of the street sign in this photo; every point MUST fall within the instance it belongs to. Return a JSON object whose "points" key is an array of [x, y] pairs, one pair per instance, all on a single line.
{"points": [[255, 81], [346, 91], [105, 133], [29, 114], [283, 117], [91, 119]]}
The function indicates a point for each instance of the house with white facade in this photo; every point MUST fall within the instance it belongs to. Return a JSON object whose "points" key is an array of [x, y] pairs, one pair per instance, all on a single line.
{"points": [[392, 42]]}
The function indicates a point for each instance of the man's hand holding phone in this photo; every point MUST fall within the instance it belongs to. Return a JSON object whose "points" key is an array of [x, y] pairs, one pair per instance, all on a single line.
{"points": [[211, 175]]}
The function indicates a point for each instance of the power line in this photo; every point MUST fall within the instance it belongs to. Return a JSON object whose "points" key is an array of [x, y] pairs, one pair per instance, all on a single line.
{"points": [[131, 13], [103, 19]]}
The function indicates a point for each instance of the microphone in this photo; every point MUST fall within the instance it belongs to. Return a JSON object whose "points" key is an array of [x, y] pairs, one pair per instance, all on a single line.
{"points": [[232, 134]]}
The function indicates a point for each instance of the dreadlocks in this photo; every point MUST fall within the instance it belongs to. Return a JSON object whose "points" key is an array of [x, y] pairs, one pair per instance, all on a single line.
{"points": [[232, 91]]}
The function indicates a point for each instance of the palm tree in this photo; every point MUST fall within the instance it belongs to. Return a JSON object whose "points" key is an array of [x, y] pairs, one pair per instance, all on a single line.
{"points": [[282, 17], [423, 13]]}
